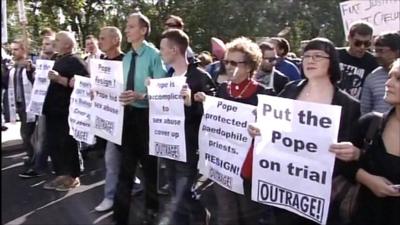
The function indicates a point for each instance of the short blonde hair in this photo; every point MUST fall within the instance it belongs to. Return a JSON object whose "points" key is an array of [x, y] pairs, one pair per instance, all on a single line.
{"points": [[395, 64], [249, 48], [22, 43], [68, 37]]}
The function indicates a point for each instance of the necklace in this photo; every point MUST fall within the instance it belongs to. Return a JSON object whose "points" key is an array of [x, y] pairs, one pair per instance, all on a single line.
{"points": [[237, 87]]}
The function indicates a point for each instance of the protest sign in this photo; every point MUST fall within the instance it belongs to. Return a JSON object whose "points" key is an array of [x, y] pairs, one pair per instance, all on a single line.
{"points": [[4, 31], [224, 141], [292, 167], [80, 126], [40, 86], [384, 15], [107, 112], [21, 12], [167, 118]]}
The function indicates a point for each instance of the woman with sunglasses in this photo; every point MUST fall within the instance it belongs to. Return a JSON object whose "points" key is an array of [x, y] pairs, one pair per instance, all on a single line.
{"points": [[321, 71], [379, 173], [241, 61]]}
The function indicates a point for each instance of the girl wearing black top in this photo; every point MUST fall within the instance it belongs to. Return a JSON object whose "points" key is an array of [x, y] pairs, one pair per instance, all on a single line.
{"points": [[379, 173]]}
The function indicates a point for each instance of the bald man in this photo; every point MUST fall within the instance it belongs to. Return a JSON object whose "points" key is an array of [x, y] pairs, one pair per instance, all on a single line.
{"points": [[110, 43], [62, 147]]}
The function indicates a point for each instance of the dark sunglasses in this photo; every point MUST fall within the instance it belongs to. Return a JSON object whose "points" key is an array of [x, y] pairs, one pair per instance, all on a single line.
{"points": [[272, 59], [358, 43], [233, 63]]}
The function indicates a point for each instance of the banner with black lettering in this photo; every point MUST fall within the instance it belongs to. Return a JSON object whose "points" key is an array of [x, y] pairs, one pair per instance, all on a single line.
{"points": [[224, 141], [292, 167], [167, 118], [80, 125], [107, 112], [382, 15], [40, 86]]}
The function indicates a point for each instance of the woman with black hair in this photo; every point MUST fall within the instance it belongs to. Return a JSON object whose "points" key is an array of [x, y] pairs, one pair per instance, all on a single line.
{"points": [[321, 71]]}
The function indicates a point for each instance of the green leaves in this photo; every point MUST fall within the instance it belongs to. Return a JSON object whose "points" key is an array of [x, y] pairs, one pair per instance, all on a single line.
{"points": [[225, 19]]}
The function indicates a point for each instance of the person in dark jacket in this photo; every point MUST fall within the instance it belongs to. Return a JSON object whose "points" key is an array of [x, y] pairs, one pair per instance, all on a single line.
{"points": [[379, 173], [62, 147], [322, 71], [268, 74], [173, 46], [18, 82]]}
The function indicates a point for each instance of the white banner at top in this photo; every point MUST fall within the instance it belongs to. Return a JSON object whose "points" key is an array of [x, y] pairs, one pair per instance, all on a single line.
{"points": [[383, 15]]}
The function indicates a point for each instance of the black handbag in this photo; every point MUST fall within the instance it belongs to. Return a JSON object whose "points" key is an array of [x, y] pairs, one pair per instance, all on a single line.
{"points": [[344, 193]]}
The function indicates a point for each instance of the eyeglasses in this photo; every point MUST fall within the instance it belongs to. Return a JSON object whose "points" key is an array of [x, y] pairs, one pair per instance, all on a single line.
{"points": [[358, 43], [272, 59], [233, 63], [315, 58]]}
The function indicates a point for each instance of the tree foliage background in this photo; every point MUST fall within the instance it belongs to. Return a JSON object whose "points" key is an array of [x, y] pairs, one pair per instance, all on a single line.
{"points": [[295, 20]]}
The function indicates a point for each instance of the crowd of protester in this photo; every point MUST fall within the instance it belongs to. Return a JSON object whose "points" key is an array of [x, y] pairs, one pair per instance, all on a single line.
{"points": [[363, 78]]}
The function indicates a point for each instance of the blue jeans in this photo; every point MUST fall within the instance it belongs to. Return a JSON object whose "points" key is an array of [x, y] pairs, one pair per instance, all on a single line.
{"points": [[112, 159], [184, 208]]}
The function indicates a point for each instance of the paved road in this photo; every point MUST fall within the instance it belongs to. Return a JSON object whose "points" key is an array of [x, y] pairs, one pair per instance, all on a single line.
{"points": [[24, 201]]}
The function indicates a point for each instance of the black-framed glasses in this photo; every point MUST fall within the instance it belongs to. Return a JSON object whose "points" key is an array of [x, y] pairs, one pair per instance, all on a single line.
{"points": [[316, 58], [270, 59], [233, 63], [358, 43]]}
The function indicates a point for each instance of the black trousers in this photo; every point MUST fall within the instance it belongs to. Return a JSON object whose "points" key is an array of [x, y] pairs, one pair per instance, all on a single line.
{"points": [[26, 131], [62, 147], [135, 148]]}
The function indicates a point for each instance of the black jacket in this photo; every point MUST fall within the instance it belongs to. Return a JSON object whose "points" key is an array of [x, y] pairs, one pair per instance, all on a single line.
{"points": [[279, 82], [377, 161], [198, 80], [347, 132], [348, 128], [58, 96]]}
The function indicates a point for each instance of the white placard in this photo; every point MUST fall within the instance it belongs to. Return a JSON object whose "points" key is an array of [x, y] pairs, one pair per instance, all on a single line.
{"points": [[107, 112], [224, 141], [167, 118], [40, 86], [383, 15], [80, 125], [292, 167], [21, 12], [4, 31]]}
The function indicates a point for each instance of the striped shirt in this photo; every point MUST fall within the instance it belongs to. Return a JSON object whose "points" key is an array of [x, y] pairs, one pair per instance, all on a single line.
{"points": [[373, 92]]}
